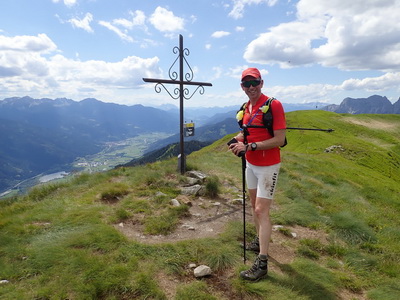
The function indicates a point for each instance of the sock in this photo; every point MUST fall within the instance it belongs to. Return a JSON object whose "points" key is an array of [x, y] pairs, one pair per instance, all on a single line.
{"points": [[263, 257]]}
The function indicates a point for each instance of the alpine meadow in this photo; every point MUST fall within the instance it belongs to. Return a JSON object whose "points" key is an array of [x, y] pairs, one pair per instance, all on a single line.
{"points": [[113, 235]]}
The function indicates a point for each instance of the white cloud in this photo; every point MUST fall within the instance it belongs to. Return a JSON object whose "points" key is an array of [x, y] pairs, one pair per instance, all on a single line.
{"points": [[165, 20], [68, 3], [123, 35], [381, 83], [220, 34], [239, 6], [82, 23], [122, 26], [27, 68], [138, 19], [24, 43], [346, 35], [239, 28]]}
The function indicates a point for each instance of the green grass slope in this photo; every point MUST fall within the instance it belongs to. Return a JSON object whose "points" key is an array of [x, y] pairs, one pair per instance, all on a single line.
{"points": [[61, 240]]}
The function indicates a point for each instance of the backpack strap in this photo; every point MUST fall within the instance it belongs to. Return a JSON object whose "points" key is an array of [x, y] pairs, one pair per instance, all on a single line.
{"points": [[240, 114]]}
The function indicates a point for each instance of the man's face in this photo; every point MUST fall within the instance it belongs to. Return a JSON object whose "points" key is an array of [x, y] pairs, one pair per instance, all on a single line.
{"points": [[252, 87]]}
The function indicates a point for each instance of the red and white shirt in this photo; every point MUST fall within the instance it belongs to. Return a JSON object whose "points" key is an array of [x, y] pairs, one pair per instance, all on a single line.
{"points": [[255, 117]]}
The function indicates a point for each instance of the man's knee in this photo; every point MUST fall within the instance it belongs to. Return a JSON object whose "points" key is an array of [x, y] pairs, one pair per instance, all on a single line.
{"points": [[261, 211], [262, 207]]}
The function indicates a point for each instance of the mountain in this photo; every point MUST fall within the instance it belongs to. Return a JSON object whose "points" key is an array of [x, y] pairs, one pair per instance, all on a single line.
{"points": [[207, 133], [169, 151], [39, 135], [135, 233], [211, 115], [372, 105]]}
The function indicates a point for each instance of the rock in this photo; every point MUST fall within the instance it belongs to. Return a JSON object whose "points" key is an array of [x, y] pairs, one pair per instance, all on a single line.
{"points": [[237, 201], [192, 266], [191, 190], [121, 225], [175, 203], [192, 181], [4, 281], [333, 148], [197, 175], [276, 227], [294, 234], [202, 271]]}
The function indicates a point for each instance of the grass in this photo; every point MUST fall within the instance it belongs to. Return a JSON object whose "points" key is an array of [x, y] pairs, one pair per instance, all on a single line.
{"points": [[60, 241]]}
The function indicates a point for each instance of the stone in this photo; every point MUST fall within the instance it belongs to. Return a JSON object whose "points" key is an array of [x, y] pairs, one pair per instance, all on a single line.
{"points": [[276, 227], [202, 271], [191, 190], [197, 175], [175, 203]]}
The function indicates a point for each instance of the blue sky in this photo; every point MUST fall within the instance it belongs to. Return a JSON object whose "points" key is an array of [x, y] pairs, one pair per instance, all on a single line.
{"points": [[307, 50]]}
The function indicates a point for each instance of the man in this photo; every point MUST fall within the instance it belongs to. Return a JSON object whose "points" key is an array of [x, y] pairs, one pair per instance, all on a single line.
{"points": [[262, 154]]}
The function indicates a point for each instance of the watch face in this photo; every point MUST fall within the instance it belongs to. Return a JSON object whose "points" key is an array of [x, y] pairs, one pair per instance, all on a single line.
{"points": [[253, 146]]}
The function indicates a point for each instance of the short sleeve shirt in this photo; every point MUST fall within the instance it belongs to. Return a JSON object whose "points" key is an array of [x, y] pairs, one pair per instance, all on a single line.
{"points": [[270, 156]]}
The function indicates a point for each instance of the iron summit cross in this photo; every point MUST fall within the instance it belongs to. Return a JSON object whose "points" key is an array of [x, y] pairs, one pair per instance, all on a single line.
{"points": [[181, 92]]}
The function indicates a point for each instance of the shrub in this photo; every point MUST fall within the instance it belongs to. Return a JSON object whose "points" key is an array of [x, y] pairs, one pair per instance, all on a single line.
{"points": [[212, 186]]}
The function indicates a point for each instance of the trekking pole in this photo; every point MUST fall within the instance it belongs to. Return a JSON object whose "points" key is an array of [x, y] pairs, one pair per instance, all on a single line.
{"points": [[244, 206], [243, 155], [317, 129]]}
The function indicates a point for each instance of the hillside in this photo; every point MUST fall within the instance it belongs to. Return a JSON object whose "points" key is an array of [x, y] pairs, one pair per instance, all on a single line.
{"points": [[39, 135], [115, 235]]}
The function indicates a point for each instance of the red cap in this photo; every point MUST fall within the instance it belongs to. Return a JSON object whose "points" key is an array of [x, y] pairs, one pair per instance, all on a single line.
{"points": [[253, 72]]}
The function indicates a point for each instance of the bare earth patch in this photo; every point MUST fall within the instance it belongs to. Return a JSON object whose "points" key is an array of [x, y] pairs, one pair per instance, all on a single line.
{"points": [[373, 123], [208, 218]]}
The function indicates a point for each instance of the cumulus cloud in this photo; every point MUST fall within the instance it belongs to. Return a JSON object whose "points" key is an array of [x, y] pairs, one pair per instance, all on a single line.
{"points": [[239, 6], [82, 23], [220, 34], [346, 35], [165, 20], [138, 19], [24, 43], [31, 65], [68, 3], [381, 83]]}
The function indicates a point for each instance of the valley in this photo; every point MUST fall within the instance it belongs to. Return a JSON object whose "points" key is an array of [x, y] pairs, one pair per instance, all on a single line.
{"points": [[113, 154]]}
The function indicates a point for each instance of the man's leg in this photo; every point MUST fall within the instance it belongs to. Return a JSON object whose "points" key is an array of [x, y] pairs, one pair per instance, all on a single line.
{"points": [[262, 220], [261, 211], [253, 197]]}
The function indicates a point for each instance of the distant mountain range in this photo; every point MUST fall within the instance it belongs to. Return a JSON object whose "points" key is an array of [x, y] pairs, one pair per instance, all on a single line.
{"points": [[372, 105], [46, 135]]}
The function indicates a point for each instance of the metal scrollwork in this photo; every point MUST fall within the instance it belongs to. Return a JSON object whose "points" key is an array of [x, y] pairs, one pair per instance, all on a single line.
{"points": [[199, 87], [157, 88], [173, 75]]}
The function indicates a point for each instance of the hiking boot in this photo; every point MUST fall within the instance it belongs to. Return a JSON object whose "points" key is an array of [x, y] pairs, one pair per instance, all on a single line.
{"points": [[257, 271], [254, 245]]}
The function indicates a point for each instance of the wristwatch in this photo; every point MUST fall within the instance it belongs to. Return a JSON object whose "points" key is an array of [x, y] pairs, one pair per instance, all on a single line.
{"points": [[253, 146]]}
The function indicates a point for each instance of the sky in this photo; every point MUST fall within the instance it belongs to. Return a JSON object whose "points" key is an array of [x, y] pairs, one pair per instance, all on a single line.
{"points": [[306, 50]]}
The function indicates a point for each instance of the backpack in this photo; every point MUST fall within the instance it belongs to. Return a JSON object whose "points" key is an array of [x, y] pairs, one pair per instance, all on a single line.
{"points": [[267, 117]]}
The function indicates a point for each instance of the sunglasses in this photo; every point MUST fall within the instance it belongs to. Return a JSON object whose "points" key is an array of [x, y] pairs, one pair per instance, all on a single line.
{"points": [[249, 83]]}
